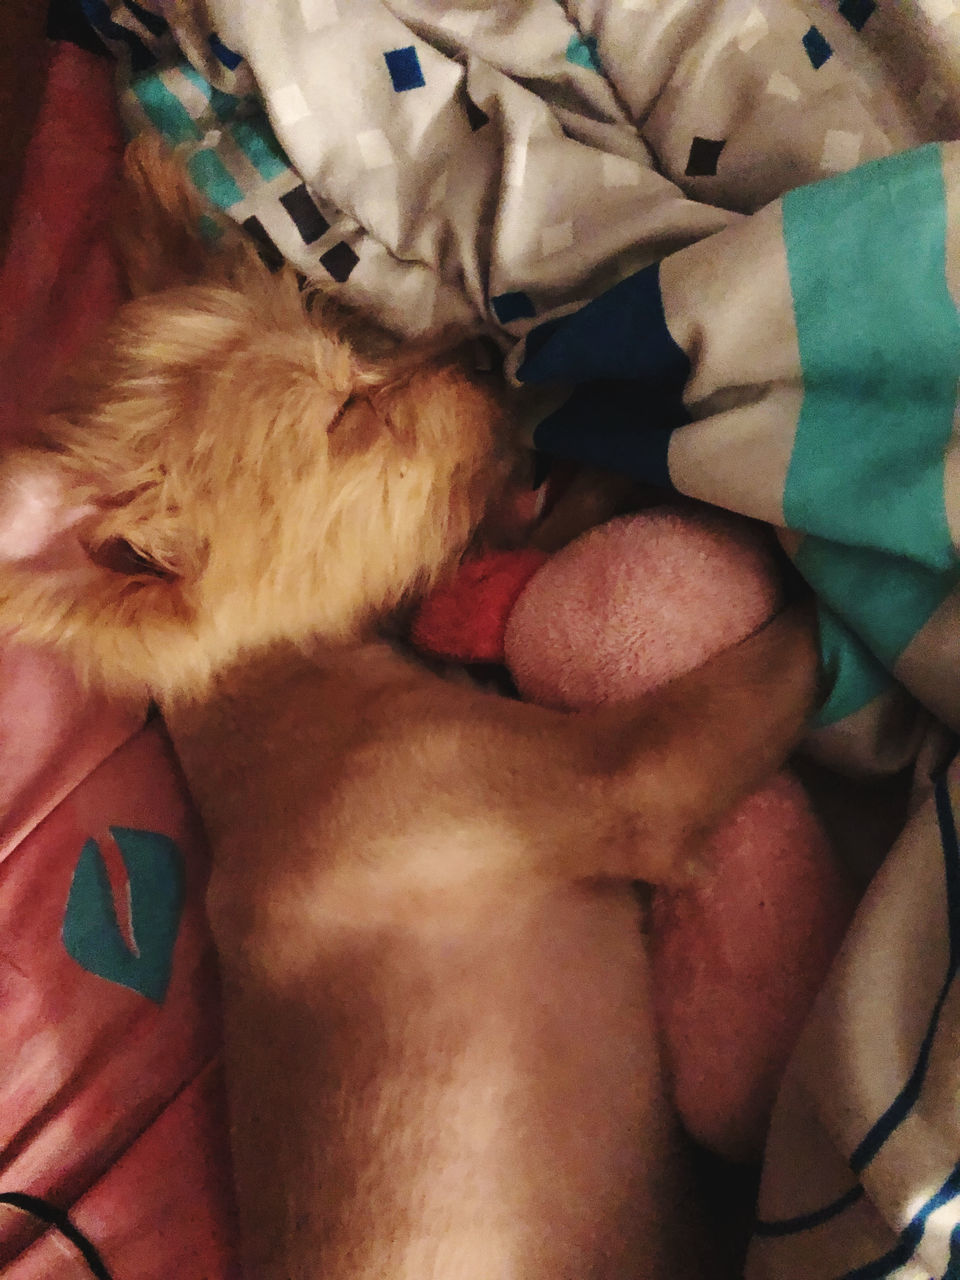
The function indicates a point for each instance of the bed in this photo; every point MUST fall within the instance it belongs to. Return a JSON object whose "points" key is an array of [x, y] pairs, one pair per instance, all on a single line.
{"points": [[753, 208]]}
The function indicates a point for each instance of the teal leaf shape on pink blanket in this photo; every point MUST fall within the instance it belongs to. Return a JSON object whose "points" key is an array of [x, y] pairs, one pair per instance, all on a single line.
{"points": [[91, 931], [582, 52]]}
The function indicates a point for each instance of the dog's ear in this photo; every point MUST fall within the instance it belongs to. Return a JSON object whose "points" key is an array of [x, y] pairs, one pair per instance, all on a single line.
{"points": [[52, 519], [104, 584], [38, 521], [164, 232]]}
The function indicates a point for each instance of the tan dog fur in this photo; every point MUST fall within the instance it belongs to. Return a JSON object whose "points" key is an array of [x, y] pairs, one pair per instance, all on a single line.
{"points": [[441, 1056], [275, 480]]}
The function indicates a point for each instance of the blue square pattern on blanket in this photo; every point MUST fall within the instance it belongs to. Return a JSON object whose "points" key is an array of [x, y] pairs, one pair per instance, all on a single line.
{"points": [[154, 23], [953, 1270], [404, 67], [230, 59], [857, 12], [513, 306], [99, 16], [818, 47]]}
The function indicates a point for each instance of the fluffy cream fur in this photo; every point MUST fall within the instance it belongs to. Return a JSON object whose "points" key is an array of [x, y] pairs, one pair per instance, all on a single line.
{"points": [[248, 469]]}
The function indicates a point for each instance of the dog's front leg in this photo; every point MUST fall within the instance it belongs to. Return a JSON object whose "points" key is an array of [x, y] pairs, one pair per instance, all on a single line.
{"points": [[672, 764]]}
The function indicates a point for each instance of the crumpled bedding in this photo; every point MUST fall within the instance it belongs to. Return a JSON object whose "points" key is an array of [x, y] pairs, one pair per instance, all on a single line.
{"points": [[497, 168], [600, 186]]}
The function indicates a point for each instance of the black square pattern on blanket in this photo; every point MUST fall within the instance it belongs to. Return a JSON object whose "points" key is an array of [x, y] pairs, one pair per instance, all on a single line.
{"points": [[704, 157]]}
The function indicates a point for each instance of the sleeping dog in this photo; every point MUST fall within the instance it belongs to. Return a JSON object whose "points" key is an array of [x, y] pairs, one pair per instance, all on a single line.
{"points": [[440, 1050]]}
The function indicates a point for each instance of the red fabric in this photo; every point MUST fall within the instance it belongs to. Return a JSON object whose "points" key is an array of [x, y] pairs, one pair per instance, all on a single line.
{"points": [[59, 279], [52, 736], [95, 1065], [150, 1227], [465, 620]]}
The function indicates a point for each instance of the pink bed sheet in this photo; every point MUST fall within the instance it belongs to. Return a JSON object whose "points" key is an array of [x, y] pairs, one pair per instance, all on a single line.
{"points": [[111, 1100]]}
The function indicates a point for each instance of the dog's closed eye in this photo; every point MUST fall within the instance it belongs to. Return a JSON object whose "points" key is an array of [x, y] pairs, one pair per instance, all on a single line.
{"points": [[355, 428], [120, 556]]}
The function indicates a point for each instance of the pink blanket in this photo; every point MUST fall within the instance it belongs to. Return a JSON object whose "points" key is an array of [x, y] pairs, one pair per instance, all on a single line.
{"points": [[113, 1157]]}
